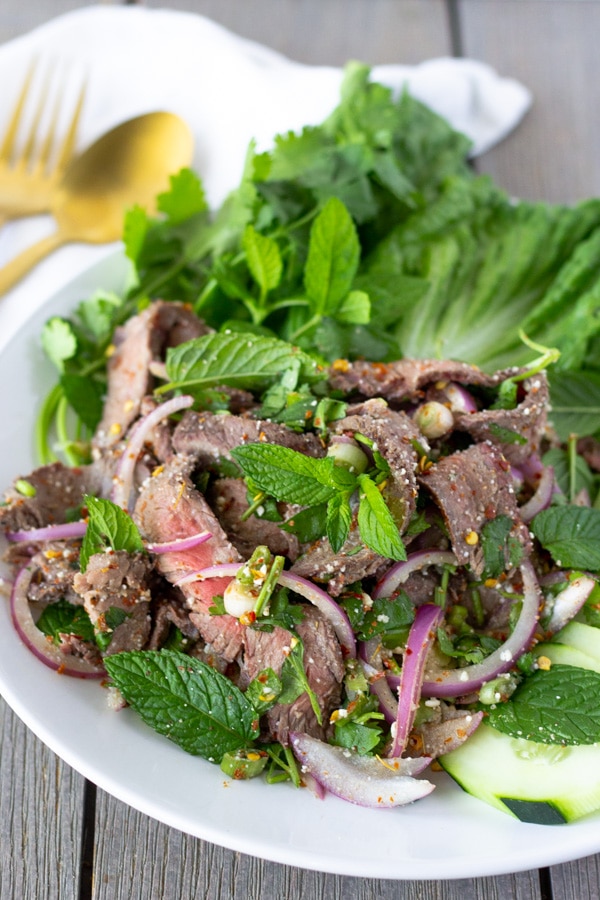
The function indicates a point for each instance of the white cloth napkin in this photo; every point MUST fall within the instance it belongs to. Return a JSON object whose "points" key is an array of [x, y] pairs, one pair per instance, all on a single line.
{"points": [[228, 89]]}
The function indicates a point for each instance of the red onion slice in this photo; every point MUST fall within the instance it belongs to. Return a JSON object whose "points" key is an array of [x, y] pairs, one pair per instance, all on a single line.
{"points": [[63, 532], [541, 498], [123, 478], [420, 638], [324, 603], [399, 572], [364, 780], [36, 640], [180, 544], [568, 602], [458, 682]]}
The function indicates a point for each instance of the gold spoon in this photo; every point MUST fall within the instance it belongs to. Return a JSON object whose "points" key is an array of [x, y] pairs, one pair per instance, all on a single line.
{"points": [[129, 165]]}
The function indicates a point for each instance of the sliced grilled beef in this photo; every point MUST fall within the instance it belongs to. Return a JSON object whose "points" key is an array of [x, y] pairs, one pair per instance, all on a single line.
{"points": [[518, 432], [170, 507], [352, 563], [472, 487], [228, 499], [138, 344], [57, 489], [392, 434], [404, 379], [324, 668], [117, 580], [55, 567], [210, 438]]}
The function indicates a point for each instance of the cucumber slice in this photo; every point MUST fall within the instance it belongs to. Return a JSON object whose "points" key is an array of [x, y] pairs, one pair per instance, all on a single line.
{"points": [[568, 656], [541, 783], [546, 784], [581, 637]]}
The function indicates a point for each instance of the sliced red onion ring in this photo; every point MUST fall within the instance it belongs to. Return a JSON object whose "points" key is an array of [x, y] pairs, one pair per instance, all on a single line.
{"points": [[458, 682], [324, 603], [180, 544], [370, 656], [123, 478], [364, 780], [542, 497], [420, 638], [399, 572], [63, 532], [443, 737], [532, 469], [568, 602], [37, 642]]}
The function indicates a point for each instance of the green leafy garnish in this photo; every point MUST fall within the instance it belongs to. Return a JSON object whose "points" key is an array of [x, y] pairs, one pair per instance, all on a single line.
{"points": [[63, 617], [186, 700], [109, 528], [571, 534]]}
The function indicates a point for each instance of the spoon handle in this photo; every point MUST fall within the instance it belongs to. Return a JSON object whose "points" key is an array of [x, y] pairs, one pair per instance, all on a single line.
{"points": [[18, 267]]}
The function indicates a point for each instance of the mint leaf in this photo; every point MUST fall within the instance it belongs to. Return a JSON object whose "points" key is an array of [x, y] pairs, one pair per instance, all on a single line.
{"points": [[559, 706], [246, 361], [183, 698], [291, 476], [86, 397], [109, 528], [571, 534], [333, 256], [501, 550], [575, 403], [339, 519], [263, 258], [63, 617], [376, 523], [294, 681], [58, 341], [309, 524], [185, 197], [355, 309]]}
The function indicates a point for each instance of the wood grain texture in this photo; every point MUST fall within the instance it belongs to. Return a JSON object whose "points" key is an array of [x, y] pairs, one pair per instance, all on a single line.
{"points": [[553, 155], [329, 32], [138, 858], [40, 817], [573, 881]]}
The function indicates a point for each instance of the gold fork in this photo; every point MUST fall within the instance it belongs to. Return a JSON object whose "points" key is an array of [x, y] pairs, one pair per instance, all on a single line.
{"points": [[29, 175]]}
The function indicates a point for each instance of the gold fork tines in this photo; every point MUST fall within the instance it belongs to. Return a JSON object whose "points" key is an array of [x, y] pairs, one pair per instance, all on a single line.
{"points": [[29, 174]]}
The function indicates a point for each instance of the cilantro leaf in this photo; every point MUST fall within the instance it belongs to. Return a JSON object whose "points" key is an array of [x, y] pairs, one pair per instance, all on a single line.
{"points": [[58, 341], [185, 197], [294, 681], [109, 528], [186, 700], [558, 706]]}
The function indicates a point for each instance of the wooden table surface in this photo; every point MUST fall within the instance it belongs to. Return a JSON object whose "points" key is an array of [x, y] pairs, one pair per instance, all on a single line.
{"points": [[60, 837]]}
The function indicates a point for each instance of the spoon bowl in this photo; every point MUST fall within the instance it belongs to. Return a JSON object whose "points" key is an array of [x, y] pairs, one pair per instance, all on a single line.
{"points": [[127, 166]]}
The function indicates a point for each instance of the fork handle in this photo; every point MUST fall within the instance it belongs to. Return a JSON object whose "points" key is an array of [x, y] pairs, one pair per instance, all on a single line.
{"points": [[18, 267]]}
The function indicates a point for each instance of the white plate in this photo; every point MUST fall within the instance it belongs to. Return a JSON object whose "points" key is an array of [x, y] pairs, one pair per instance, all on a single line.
{"points": [[446, 835]]}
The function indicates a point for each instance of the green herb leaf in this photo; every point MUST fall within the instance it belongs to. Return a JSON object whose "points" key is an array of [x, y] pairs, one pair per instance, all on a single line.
{"points": [[294, 680], [263, 258], [559, 706], [575, 403], [501, 550], [571, 534], [186, 700], [63, 617], [185, 197], [291, 476], [339, 519], [246, 361], [264, 690], [355, 309], [376, 523], [109, 528], [58, 341], [333, 256]]}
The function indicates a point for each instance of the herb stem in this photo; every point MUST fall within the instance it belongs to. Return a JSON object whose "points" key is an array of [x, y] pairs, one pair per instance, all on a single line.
{"points": [[44, 423]]}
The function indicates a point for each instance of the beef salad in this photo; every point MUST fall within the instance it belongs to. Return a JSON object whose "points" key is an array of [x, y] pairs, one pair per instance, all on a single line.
{"points": [[293, 547]]}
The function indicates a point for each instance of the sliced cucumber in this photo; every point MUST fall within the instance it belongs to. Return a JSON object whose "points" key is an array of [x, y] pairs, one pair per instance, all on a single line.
{"points": [[568, 656], [581, 637], [542, 783]]}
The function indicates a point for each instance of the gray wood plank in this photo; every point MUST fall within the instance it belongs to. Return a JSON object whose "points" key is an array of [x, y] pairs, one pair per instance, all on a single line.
{"points": [[329, 32], [138, 858], [554, 153], [41, 801], [575, 880]]}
